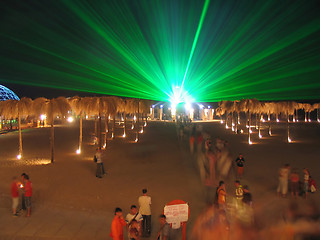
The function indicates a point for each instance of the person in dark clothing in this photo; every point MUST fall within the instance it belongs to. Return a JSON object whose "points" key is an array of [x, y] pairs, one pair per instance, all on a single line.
{"points": [[247, 197], [240, 164]]}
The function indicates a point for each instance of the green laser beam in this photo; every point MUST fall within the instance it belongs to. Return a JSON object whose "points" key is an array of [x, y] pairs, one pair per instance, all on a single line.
{"points": [[211, 50]]}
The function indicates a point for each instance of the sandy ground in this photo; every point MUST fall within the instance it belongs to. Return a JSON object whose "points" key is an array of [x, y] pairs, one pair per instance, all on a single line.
{"points": [[159, 162]]}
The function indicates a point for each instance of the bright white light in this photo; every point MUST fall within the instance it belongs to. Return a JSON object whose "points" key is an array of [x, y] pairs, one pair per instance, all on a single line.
{"points": [[132, 127], [134, 118], [260, 136], [161, 106], [318, 120], [153, 106], [309, 120], [19, 156], [43, 117], [232, 128], [187, 106], [201, 106], [70, 119], [221, 121], [78, 151], [124, 135], [278, 120], [289, 140], [227, 127], [136, 140], [104, 146], [87, 117], [145, 124], [241, 131], [294, 120], [209, 107], [250, 131], [112, 135], [141, 131]]}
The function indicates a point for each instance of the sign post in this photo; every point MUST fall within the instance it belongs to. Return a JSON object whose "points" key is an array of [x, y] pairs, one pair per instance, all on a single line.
{"points": [[177, 214]]}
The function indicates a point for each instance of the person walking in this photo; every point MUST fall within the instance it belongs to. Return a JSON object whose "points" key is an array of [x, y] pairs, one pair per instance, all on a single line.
{"points": [[240, 164], [164, 231], [117, 225], [14, 196], [283, 180], [28, 194], [145, 210]]}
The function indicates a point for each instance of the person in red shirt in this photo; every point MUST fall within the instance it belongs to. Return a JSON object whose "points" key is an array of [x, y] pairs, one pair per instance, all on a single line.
{"points": [[28, 194], [14, 195], [117, 225]]}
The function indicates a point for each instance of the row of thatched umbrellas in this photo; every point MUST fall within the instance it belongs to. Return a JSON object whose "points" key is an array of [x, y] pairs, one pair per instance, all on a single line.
{"points": [[232, 109], [79, 106]]}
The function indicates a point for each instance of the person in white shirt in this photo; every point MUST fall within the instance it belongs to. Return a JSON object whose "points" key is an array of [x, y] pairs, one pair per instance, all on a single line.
{"points": [[131, 216], [145, 210]]}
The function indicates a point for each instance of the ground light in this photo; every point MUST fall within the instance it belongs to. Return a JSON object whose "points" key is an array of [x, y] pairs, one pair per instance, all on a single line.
{"points": [[19, 156], [78, 151], [70, 119]]}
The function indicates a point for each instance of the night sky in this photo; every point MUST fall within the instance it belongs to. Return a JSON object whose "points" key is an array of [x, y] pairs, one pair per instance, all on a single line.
{"points": [[179, 50]]}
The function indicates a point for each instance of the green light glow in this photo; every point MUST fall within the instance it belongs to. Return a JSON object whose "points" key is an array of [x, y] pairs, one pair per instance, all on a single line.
{"points": [[182, 50]]}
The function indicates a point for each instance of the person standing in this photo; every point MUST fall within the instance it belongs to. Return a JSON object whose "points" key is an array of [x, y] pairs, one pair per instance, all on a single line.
{"points": [[15, 196], [164, 231], [28, 194], [306, 182], [145, 210], [22, 184], [221, 192], [239, 193], [247, 197], [117, 225], [240, 164], [191, 144], [283, 180], [294, 183], [134, 232], [98, 159], [134, 215]]}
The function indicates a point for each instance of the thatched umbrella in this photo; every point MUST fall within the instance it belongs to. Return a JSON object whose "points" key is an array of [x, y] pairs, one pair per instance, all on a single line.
{"points": [[317, 106], [144, 107], [57, 107], [78, 106], [307, 109], [252, 106], [227, 107], [109, 106], [17, 109], [52, 108]]}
